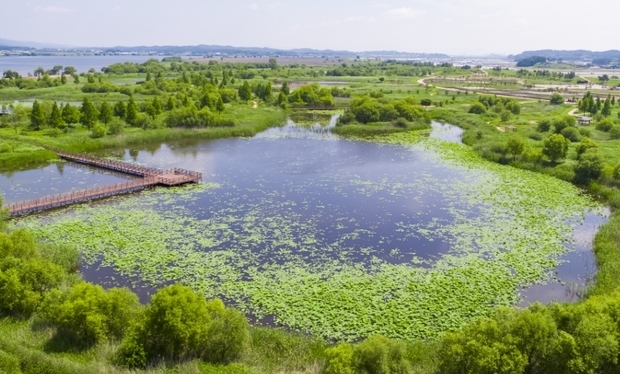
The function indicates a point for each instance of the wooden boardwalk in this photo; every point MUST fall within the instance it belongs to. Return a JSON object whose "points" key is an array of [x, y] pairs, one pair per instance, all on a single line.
{"points": [[149, 177]]}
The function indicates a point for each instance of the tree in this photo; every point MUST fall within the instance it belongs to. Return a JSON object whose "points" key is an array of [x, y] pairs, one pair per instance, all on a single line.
{"points": [[132, 112], [477, 108], [120, 110], [273, 64], [556, 99], [606, 111], [148, 77], [89, 113], [76, 78], [56, 120], [157, 107], [590, 167], [219, 106], [63, 79], [572, 134], [90, 314], [555, 147], [105, 113], [37, 117], [285, 88], [339, 359], [39, 72], [71, 114], [70, 70], [245, 92], [585, 145], [20, 114], [379, 355], [515, 146]]}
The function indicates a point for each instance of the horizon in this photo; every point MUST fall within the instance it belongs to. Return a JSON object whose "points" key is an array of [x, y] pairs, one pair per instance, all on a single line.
{"points": [[453, 27]]}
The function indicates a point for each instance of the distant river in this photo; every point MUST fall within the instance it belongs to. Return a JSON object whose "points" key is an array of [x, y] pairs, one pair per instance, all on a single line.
{"points": [[28, 64]]}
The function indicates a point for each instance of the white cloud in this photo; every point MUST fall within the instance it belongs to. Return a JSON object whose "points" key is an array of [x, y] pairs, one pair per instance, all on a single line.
{"points": [[254, 6], [54, 9], [403, 13]]}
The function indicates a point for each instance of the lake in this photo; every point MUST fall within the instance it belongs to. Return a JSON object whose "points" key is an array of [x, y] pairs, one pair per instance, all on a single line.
{"points": [[339, 238], [28, 64]]}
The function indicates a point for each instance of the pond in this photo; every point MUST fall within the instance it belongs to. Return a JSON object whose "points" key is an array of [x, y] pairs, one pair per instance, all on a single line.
{"points": [[334, 237]]}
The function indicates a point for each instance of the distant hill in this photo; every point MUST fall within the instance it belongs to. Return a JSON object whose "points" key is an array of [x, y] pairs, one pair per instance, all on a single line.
{"points": [[30, 45], [255, 51], [574, 55]]}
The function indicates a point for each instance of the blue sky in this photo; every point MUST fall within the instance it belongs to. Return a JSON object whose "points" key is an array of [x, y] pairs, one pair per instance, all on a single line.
{"points": [[448, 26]]}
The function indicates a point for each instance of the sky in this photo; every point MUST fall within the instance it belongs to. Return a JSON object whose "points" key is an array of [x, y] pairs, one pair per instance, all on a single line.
{"points": [[463, 27]]}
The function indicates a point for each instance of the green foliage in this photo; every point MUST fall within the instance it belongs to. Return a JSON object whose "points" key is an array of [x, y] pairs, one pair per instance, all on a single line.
{"points": [[116, 126], [131, 114], [56, 121], [105, 113], [590, 167], [572, 134], [605, 125], [585, 145], [37, 116], [339, 359], [614, 133], [90, 314], [555, 147], [477, 108], [560, 123], [245, 92], [98, 130], [366, 109], [90, 114], [180, 324], [380, 355], [71, 114], [515, 146], [312, 95], [556, 99], [544, 125]]}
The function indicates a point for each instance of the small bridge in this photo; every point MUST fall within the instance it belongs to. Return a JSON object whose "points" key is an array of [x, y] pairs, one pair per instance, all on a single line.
{"points": [[149, 177]]}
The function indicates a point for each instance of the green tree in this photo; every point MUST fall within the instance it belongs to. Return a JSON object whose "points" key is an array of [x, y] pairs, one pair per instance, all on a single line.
{"points": [[89, 113], [148, 77], [245, 92], [76, 79], [606, 111], [555, 147], [157, 106], [227, 336], [273, 64], [120, 110], [585, 145], [116, 126], [572, 134], [219, 106], [556, 99], [515, 146], [91, 314], [132, 112], [37, 116], [590, 167], [380, 355], [105, 113], [339, 359], [56, 120], [70, 114], [63, 79], [285, 88], [477, 108]]}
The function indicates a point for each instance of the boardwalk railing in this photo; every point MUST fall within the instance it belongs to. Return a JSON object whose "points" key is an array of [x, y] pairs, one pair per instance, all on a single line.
{"points": [[150, 177]]}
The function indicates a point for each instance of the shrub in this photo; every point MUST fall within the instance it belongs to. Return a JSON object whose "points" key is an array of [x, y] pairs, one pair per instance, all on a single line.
{"points": [[9, 363], [555, 147], [477, 108], [556, 99], [585, 145], [544, 125], [605, 125], [536, 136], [616, 173], [585, 132], [339, 359], [180, 324], [89, 314], [98, 131], [614, 133], [572, 134], [380, 355], [563, 122], [116, 126], [590, 167]]}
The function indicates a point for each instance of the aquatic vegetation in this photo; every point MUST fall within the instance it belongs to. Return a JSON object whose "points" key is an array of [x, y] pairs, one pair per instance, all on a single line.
{"points": [[342, 277]]}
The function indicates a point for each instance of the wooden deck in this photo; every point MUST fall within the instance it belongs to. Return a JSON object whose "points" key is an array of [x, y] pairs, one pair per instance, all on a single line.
{"points": [[149, 177]]}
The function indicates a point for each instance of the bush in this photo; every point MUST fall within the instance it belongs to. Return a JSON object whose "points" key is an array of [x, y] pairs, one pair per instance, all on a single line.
{"points": [[98, 131], [590, 167], [585, 132], [179, 324], [9, 364], [477, 108], [537, 137], [556, 99], [605, 125], [380, 355], [89, 314], [616, 173], [544, 125], [339, 359], [563, 122], [572, 134], [555, 147], [116, 126], [585, 145], [614, 133]]}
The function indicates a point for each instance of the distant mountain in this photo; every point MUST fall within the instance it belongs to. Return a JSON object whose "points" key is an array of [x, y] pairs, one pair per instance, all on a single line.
{"points": [[574, 55], [254, 51], [30, 45]]}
